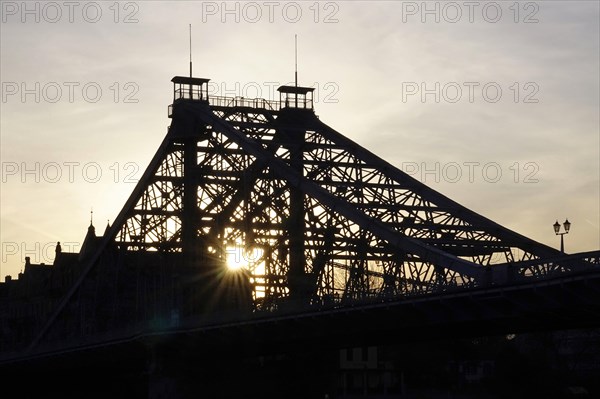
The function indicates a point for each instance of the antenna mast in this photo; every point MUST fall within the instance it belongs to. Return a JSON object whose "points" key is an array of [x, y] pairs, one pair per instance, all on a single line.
{"points": [[296, 59], [190, 50]]}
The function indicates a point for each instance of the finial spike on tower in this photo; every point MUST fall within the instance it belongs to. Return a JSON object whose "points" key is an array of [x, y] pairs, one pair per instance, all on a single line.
{"points": [[190, 50], [91, 216], [296, 59]]}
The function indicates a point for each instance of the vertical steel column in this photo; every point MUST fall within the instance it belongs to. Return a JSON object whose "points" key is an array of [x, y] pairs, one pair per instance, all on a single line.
{"points": [[297, 224], [189, 220]]}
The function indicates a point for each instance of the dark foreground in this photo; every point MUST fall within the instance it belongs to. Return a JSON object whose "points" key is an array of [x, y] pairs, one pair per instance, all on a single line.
{"points": [[545, 365]]}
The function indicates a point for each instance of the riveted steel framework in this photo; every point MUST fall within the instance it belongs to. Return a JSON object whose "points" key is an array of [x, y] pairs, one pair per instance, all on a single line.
{"points": [[318, 220], [328, 219]]}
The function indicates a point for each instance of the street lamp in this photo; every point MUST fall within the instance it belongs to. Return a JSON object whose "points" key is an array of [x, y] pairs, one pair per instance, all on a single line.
{"points": [[567, 226]]}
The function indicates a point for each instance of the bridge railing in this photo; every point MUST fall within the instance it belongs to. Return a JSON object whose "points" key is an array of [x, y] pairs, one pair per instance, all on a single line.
{"points": [[193, 93], [235, 102], [543, 268], [259, 103]]}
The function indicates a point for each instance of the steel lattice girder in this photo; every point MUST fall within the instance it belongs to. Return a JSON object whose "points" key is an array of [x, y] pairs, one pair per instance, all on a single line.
{"points": [[289, 184], [409, 232]]}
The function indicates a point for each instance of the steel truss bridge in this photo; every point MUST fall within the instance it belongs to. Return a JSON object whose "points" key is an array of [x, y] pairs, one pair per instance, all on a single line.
{"points": [[338, 247]]}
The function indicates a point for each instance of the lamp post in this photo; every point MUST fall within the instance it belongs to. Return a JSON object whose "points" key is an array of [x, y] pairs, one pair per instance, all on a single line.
{"points": [[567, 226]]}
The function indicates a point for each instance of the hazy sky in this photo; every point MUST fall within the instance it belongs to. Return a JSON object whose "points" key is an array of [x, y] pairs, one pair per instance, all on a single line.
{"points": [[495, 104]]}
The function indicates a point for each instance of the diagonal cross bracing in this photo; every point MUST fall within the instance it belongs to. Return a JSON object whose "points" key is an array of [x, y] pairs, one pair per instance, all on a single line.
{"points": [[244, 157], [331, 221]]}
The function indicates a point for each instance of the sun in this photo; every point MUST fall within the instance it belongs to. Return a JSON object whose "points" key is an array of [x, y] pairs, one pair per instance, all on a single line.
{"points": [[238, 257]]}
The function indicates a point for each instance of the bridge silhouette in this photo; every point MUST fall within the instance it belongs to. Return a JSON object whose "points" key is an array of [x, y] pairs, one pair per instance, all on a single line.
{"points": [[334, 247]]}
